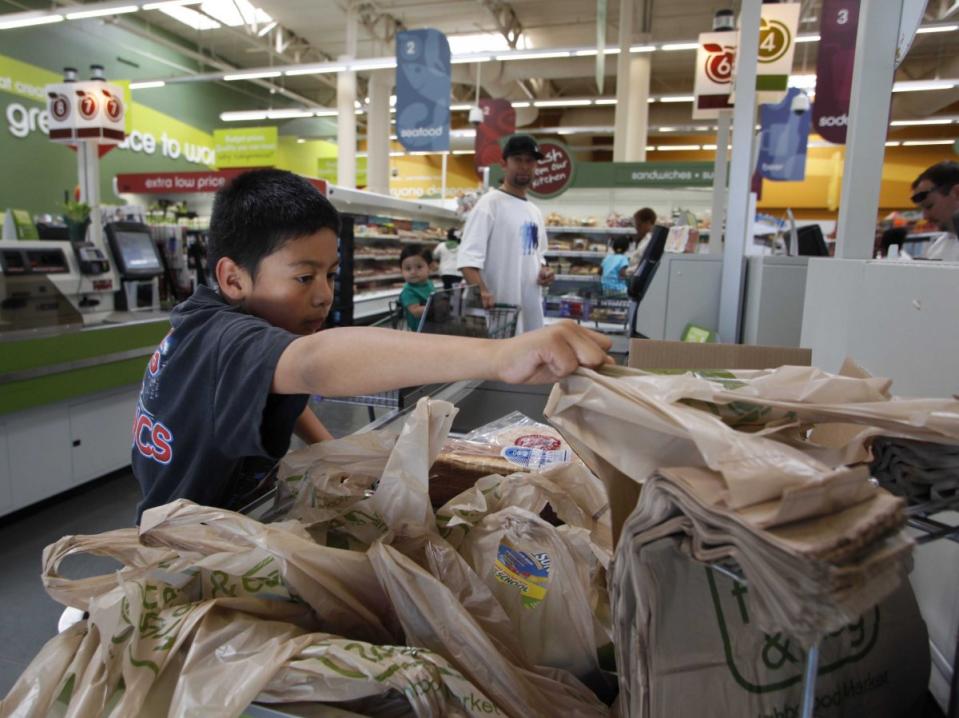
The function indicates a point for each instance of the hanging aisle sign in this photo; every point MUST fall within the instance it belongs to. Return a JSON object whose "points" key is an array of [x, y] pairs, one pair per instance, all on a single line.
{"points": [[783, 140], [499, 120], [837, 55], [423, 90], [777, 45], [715, 60], [553, 174]]}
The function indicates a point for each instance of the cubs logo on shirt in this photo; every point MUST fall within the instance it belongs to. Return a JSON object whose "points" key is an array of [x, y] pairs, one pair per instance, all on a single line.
{"points": [[162, 351], [152, 438]]}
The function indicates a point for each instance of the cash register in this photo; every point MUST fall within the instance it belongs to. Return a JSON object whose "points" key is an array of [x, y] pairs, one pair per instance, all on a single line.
{"points": [[138, 264]]}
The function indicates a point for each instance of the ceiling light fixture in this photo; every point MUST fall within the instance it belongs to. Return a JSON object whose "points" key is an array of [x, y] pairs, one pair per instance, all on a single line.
{"points": [[288, 114], [534, 55], [642, 48], [243, 116], [677, 148], [29, 20], [921, 143], [101, 12], [674, 46], [936, 28], [321, 69], [910, 123], [562, 103], [255, 75], [923, 85], [169, 3], [676, 98], [147, 85]]}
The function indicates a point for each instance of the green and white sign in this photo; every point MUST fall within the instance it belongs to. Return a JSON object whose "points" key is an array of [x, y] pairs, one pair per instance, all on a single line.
{"points": [[245, 147], [663, 174]]}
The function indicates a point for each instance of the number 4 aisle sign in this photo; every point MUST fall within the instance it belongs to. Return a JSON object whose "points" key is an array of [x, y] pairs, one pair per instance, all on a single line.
{"points": [[777, 45]]}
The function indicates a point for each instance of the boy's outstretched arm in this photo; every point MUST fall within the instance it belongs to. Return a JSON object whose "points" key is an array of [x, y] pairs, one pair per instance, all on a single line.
{"points": [[362, 360]]}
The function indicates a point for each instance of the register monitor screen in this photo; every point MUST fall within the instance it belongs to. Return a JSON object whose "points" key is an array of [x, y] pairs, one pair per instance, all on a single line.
{"points": [[134, 250], [811, 242]]}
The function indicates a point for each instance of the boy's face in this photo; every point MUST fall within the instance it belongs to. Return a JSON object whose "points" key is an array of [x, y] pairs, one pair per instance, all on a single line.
{"points": [[293, 288], [415, 270]]}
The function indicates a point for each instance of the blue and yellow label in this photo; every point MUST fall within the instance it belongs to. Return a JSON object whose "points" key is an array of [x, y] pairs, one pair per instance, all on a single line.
{"points": [[526, 572]]}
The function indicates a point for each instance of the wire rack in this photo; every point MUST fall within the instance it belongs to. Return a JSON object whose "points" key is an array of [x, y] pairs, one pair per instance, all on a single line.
{"points": [[918, 517]]}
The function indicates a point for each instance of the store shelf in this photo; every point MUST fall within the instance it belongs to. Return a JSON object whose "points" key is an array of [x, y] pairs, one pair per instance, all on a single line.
{"points": [[581, 254], [578, 278], [377, 278], [591, 230], [395, 238]]}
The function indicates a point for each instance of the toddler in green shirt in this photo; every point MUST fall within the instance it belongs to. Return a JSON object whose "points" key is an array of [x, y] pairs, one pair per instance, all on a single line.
{"points": [[415, 260]]}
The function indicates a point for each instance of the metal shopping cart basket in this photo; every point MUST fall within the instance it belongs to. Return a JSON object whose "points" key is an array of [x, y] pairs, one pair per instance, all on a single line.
{"points": [[458, 312]]}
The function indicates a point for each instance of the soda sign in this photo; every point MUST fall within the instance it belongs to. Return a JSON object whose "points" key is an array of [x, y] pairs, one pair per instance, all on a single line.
{"points": [[554, 173]]}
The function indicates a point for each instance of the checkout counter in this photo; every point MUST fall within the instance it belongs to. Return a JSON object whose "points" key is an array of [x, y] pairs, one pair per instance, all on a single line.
{"points": [[71, 361]]}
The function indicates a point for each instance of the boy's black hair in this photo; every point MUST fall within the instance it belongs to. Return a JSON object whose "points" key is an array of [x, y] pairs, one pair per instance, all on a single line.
{"points": [[452, 235], [259, 211], [620, 244], [416, 250]]}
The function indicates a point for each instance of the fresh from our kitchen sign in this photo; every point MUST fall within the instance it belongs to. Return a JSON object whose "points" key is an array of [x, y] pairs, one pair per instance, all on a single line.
{"points": [[553, 174]]}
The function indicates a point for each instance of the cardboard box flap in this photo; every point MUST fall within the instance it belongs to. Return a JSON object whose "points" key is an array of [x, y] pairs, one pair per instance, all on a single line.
{"points": [[652, 354]]}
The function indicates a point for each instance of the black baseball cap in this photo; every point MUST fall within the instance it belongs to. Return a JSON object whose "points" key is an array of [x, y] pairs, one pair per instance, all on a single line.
{"points": [[521, 145]]}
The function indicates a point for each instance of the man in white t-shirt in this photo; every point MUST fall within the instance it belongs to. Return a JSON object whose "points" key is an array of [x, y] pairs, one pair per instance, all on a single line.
{"points": [[936, 193], [504, 239]]}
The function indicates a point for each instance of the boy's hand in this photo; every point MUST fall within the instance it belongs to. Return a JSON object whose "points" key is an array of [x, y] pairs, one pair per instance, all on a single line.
{"points": [[547, 355], [546, 277]]}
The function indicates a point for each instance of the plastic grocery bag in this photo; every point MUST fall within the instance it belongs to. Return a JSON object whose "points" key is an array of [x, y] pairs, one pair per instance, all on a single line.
{"points": [[532, 571], [433, 618], [751, 426]]}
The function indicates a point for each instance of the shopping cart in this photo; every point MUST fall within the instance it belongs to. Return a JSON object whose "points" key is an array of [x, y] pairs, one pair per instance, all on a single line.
{"points": [[456, 312]]}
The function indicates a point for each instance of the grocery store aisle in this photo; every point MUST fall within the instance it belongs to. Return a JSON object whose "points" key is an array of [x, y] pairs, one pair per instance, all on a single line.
{"points": [[29, 617]]}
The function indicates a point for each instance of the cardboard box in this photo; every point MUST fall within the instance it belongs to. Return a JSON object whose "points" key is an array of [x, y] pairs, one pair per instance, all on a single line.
{"points": [[652, 354]]}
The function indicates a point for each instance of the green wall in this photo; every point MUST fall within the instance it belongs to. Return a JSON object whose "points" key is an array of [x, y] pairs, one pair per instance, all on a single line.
{"points": [[36, 172]]}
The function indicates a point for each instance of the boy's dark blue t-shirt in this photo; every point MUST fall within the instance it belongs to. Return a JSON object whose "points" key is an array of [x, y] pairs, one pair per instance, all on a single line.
{"points": [[205, 405]]}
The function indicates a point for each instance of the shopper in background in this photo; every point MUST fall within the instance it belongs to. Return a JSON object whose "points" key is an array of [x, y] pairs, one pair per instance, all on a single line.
{"points": [[445, 254], [415, 260], [936, 193], [232, 378], [505, 237], [614, 267], [644, 219]]}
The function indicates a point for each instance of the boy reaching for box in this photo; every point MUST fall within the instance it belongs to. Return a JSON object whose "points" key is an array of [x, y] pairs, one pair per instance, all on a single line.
{"points": [[232, 378]]}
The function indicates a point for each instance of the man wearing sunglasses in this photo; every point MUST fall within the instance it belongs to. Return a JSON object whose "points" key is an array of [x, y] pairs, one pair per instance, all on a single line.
{"points": [[936, 193]]}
